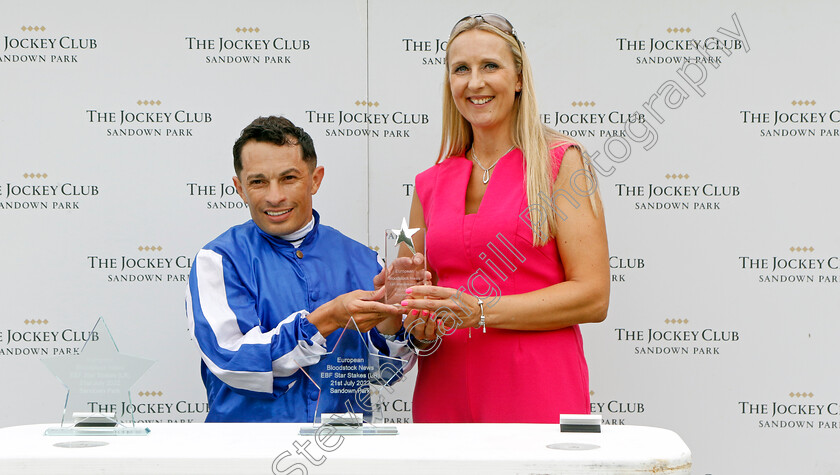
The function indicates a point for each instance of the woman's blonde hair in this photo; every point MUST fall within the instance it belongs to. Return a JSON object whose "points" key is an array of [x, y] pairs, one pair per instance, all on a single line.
{"points": [[534, 139]]}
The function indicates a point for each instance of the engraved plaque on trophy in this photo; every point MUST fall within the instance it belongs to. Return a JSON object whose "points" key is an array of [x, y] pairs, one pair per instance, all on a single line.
{"points": [[98, 382], [350, 378]]}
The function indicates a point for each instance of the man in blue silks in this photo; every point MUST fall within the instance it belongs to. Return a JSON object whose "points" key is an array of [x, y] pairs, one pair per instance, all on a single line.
{"points": [[268, 300]]}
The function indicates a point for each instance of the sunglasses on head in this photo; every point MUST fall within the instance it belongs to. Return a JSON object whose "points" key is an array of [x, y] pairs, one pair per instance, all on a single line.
{"points": [[491, 19]]}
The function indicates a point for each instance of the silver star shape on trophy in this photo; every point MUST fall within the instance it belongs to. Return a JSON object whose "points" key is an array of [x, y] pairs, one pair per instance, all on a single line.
{"points": [[404, 235], [99, 378]]}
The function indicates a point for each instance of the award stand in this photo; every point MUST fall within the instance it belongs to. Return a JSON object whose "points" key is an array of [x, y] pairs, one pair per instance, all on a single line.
{"points": [[98, 383]]}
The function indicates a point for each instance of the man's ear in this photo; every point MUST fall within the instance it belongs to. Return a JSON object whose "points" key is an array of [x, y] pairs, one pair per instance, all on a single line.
{"points": [[238, 185], [317, 177]]}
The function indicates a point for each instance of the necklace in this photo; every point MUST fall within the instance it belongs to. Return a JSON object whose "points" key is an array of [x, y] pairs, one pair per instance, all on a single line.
{"points": [[486, 176]]}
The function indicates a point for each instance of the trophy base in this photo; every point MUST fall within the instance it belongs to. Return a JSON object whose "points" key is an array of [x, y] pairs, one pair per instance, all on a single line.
{"points": [[98, 431], [349, 430]]}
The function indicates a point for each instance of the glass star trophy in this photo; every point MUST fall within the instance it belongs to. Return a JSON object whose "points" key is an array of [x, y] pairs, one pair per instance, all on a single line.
{"points": [[98, 382], [350, 380], [404, 272], [401, 272]]}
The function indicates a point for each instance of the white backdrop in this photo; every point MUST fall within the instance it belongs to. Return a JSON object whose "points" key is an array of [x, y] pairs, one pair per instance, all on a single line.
{"points": [[717, 174]]}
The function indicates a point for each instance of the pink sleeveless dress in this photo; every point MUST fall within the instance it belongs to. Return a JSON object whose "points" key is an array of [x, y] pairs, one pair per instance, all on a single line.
{"points": [[501, 375]]}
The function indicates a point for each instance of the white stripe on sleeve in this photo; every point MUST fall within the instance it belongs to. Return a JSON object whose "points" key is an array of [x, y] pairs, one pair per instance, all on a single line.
{"points": [[214, 305]]}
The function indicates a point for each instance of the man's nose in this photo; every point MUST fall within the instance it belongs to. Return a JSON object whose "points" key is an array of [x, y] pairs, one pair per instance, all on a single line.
{"points": [[276, 193]]}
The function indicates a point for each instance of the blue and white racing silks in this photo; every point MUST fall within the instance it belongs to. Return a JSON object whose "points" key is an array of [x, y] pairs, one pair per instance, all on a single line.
{"points": [[247, 302]]}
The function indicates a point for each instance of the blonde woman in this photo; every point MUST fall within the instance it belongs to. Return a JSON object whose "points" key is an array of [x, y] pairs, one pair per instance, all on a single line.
{"points": [[516, 240]]}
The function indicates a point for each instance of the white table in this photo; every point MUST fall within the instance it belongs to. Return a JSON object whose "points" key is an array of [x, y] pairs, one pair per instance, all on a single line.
{"points": [[418, 449]]}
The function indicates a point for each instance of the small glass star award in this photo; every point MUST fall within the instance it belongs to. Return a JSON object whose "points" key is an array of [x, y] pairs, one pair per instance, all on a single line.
{"points": [[402, 272], [348, 384], [98, 382]]}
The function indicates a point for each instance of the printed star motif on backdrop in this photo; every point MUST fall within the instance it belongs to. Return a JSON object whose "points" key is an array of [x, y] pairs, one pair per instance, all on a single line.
{"points": [[99, 374], [404, 235]]}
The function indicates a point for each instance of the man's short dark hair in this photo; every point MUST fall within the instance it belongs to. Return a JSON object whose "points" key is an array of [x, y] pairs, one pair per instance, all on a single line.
{"points": [[276, 130]]}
